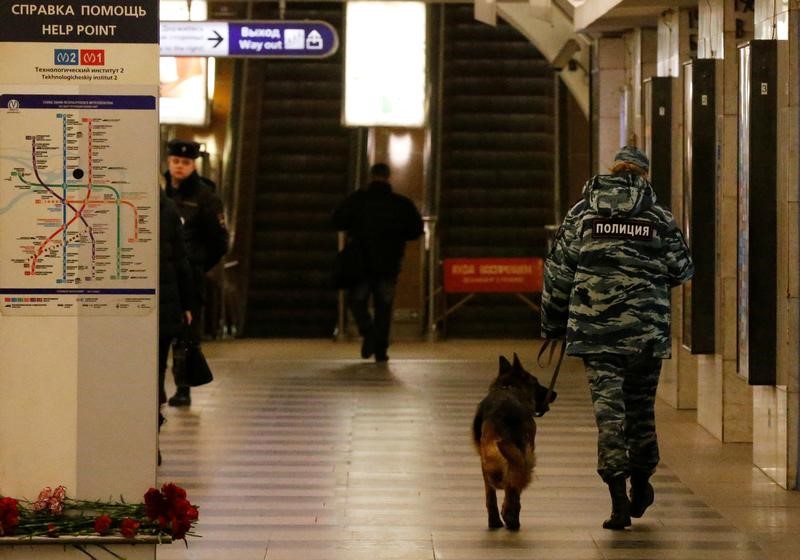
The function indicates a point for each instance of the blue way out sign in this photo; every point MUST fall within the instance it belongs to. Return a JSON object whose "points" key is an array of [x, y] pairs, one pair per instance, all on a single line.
{"points": [[278, 39]]}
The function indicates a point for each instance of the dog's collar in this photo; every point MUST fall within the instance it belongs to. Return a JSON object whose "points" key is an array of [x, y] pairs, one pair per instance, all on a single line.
{"points": [[507, 387]]}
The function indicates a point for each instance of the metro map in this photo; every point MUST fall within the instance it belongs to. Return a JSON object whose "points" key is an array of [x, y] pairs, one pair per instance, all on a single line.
{"points": [[74, 218]]}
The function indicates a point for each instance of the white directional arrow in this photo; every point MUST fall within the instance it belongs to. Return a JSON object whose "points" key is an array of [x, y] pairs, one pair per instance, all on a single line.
{"points": [[194, 38]]}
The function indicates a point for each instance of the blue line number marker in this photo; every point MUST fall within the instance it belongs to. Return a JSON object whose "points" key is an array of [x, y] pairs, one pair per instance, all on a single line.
{"points": [[65, 57]]}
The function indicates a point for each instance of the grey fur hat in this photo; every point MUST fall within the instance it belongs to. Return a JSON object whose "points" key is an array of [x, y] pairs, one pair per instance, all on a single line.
{"points": [[631, 154]]}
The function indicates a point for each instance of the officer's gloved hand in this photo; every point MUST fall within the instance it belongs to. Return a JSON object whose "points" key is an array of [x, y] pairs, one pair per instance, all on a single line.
{"points": [[549, 395], [554, 334]]}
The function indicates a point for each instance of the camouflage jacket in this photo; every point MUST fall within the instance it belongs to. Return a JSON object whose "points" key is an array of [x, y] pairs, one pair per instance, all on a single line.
{"points": [[608, 276]]}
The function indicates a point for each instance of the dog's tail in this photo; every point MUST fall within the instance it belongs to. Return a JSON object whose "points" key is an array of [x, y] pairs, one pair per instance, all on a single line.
{"points": [[506, 466], [512, 453], [494, 464], [520, 464], [502, 463]]}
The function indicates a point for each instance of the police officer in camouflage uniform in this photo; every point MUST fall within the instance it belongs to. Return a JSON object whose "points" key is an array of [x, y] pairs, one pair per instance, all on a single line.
{"points": [[607, 289]]}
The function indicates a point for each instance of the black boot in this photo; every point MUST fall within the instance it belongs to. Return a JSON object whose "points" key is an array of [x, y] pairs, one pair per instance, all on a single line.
{"points": [[381, 356], [368, 345], [620, 505], [642, 494], [182, 397]]}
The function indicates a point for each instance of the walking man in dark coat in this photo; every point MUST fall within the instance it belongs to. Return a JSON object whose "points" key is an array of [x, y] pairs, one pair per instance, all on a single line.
{"points": [[378, 222], [204, 230], [607, 290]]}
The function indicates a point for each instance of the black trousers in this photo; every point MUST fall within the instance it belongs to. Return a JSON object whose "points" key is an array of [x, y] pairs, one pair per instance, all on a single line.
{"points": [[194, 332], [382, 293], [164, 344]]}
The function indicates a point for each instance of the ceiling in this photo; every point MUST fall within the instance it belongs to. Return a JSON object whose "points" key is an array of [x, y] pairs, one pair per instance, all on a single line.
{"points": [[603, 16]]}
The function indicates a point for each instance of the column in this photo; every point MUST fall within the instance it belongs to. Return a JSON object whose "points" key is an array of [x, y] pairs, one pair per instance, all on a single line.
{"points": [[608, 83], [775, 408], [724, 400], [78, 255]]}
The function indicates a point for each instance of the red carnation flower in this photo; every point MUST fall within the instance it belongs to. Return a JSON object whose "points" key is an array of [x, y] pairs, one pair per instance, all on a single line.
{"points": [[128, 527], [154, 504], [102, 524], [52, 530], [183, 519], [173, 492], [9, 516], [170, 509], [179, 528]]}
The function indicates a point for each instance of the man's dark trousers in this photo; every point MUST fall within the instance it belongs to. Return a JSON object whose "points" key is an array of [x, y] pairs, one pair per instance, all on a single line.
{"points": [[382, 292]]}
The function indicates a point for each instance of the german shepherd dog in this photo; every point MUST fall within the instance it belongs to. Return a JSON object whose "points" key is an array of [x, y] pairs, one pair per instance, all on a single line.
{"points": [[504, 431]]}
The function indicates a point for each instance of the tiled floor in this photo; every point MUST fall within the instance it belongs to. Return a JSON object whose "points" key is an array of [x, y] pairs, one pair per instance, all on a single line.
{"points": [[299, 451]]}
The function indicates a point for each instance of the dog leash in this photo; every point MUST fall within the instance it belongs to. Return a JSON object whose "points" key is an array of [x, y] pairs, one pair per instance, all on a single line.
{"points": [[551, 343]]}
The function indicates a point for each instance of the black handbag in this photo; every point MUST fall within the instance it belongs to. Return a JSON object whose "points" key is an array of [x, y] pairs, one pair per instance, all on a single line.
{"points": [[347, 269], [189, 364]]}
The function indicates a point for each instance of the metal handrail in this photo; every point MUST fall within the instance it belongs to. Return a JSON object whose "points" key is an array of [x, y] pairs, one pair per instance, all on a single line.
{"points": [[339, 333], [431, 249]]}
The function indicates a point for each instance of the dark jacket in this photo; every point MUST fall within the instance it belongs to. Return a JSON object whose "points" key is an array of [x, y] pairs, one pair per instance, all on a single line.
{"points": [[203, 220], [607, 279], [175, 288], [379, 221]]}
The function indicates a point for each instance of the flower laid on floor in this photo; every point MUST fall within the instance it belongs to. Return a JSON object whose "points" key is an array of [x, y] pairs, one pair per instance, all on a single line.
{"points": [[165, 512]]}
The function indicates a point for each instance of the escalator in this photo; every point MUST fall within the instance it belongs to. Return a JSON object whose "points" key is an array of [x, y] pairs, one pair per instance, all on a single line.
{"points": [[497, 167], [498, 145], [302, 173]]}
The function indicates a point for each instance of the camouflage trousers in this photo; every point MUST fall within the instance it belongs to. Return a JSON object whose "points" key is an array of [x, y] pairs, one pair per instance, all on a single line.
{"points": [[623, 389]]}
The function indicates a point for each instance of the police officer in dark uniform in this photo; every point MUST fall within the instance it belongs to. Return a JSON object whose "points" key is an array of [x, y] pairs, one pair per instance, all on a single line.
{"points": [[204, 228], [607, 289]]}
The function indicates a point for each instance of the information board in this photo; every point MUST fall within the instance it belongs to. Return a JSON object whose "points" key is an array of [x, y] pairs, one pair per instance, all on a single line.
{"points": [[78, 158]]}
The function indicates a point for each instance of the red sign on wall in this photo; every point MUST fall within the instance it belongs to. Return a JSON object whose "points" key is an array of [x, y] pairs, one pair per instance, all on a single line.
{"points": [[493, 275]]}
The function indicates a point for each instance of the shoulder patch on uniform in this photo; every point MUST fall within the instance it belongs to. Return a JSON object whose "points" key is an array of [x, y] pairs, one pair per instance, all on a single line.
{"points": [[623, 229]]}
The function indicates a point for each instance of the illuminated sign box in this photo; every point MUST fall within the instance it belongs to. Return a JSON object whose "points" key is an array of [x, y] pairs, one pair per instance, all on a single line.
{"points": [[256, 39], [183, 91], [385, 72]]}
